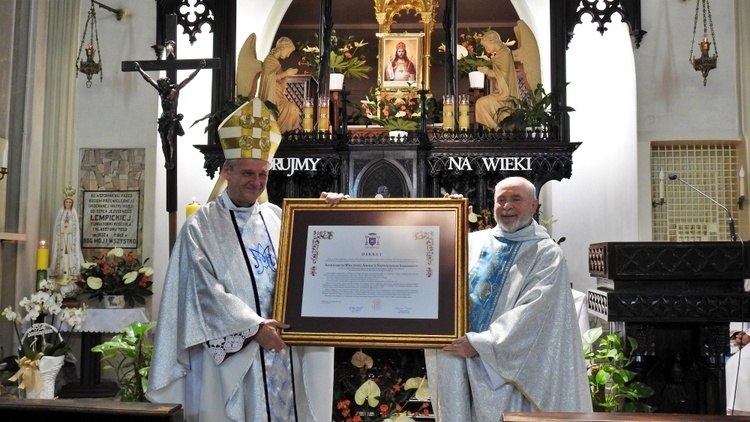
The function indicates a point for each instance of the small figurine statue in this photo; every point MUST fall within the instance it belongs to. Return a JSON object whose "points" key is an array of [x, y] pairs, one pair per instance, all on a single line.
{"points": [[273, 85], [169, 122], [66, 259]]}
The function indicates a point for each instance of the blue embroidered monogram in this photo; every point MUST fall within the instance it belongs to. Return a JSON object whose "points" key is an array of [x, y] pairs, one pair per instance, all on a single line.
{"points": [[263, 258]]}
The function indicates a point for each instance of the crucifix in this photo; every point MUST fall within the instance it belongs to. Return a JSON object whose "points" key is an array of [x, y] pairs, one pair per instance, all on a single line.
{"points": [[169, 126]]}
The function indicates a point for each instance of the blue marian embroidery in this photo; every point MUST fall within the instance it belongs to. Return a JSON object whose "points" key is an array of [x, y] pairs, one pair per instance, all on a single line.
{"points": [[263, 258]]}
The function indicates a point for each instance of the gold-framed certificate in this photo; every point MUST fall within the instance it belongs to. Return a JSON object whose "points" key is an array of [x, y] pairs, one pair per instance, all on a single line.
{"points": [[372, 272]]}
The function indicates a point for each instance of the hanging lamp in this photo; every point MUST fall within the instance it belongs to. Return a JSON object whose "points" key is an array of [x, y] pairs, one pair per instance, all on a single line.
{"points": [[88, 65], [704, 63]]}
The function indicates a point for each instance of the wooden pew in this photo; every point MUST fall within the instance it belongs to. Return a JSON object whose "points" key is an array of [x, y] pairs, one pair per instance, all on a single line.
{"points": [[87, 410], [611, 417]]}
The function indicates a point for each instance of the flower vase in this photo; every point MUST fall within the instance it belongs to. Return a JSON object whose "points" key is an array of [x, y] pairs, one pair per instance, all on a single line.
{"points": [[49, 367], [398, 135], [113, 301], [336, 81], [476, 79]]}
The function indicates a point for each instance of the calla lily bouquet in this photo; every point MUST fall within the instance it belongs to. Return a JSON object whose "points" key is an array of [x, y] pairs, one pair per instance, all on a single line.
{"points": [[40, 327], [116, 274], [370, 391], [347, 57]]}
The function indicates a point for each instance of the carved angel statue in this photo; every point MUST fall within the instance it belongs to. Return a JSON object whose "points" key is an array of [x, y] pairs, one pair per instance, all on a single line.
{"points": [[248, 68], [510, 73], [502, 74], [273, 85]]}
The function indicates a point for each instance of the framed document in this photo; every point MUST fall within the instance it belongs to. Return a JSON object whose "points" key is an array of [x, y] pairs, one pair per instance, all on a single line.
{"points": [[372, 272]]}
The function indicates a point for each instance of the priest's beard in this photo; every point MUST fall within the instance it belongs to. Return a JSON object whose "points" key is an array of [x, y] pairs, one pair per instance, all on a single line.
{"points": [[520, 222]]}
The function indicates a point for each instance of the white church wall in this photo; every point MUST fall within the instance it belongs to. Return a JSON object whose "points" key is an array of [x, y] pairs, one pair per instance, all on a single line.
{"points": [[597, 203], [673, 104], [121, 111]]}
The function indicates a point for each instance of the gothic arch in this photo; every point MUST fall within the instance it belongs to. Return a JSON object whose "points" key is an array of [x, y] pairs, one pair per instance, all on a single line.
{"points": [[380, 173]]}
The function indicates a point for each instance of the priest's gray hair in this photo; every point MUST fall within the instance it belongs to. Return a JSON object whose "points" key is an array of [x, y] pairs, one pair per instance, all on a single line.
{"points": [[531, 189]]}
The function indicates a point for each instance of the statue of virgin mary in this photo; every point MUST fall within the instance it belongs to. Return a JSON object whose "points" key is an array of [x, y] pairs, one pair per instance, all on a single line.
{"points": [[66, 257]]}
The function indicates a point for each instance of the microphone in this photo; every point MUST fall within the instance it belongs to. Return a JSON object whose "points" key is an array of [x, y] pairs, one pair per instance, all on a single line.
{"points": [[732, 233]]}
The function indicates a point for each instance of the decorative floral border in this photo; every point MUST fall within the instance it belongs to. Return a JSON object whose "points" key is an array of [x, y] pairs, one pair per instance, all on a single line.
{"points": [[317, 235], [430, 248]]}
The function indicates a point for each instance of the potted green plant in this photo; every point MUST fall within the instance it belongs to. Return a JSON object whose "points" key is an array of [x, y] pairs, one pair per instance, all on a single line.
{"points": [[470, 54], [129, 355], [613, 386], [347, 57], [534, 112]]}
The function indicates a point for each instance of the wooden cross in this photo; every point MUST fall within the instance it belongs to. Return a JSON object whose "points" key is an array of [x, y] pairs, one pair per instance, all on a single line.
{"points": [[169, 127]]}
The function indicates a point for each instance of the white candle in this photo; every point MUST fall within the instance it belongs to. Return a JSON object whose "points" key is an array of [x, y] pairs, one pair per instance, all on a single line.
{"points": [[5, 154], [661, 184], [742, 181]]}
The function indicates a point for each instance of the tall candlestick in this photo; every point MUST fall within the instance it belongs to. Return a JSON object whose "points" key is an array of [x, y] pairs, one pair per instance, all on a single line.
{"points": [[191, 208], [742, 181], [661, 184]]}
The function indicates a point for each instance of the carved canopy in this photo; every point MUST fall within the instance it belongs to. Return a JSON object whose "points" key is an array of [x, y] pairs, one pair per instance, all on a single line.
{"points": [[387, 10]]}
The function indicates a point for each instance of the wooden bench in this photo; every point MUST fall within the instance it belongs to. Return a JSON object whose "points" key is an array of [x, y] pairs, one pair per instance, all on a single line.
{"points": [[87, 410], [611, 417]]}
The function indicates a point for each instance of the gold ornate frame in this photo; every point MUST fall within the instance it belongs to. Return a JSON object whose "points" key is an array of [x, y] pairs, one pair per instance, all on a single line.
{"points": [[302, 265], [387, 10], [386, 50]]}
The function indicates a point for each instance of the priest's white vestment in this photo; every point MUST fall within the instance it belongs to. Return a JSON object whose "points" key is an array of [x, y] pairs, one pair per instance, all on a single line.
{"points": [[214, 292], [530, 354]]}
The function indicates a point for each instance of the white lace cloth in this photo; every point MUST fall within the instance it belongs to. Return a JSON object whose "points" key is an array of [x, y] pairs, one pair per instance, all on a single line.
{"points": [[219, 348], [109, 320]]}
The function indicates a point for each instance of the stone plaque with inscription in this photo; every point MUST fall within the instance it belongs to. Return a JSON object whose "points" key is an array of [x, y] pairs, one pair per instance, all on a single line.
{"points": [[110, 219]]}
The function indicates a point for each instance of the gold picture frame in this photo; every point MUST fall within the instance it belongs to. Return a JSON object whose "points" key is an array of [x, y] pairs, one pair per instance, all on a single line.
{"points": [[400, 72], [373, 272]]}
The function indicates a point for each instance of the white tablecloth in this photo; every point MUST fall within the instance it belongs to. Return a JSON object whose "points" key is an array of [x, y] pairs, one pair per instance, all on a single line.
{"points": [[109, 320]]}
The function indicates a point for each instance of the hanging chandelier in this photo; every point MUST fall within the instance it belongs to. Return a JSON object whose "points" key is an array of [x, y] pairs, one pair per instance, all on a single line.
{"points": [[88, 65], [704, 63]]}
